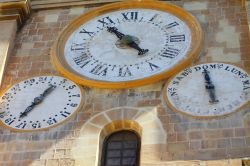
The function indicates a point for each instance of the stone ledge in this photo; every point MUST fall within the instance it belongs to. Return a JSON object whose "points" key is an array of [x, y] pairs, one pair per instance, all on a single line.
{"points": [[15, 10]]}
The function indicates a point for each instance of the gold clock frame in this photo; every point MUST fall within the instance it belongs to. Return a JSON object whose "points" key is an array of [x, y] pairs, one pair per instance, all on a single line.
{"points": [[173, 108], [82, 103], [57, 52]]}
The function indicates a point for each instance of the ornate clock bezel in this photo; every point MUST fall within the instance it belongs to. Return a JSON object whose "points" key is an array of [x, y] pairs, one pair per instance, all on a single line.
{"points": [[82, 103], [173, 108], [57, 52]]}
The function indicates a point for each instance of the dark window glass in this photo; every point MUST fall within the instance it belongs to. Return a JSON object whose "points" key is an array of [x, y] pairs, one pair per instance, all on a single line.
{"points": [[121, 149]]}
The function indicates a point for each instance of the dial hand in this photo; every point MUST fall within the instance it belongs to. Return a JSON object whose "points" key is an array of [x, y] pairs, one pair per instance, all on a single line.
{"points": [[127, 40], [37, 100], [210, 87], [116, 32]]}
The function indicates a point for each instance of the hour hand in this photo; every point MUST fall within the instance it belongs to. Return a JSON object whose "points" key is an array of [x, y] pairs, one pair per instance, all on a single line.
{"points": [[27, 110], [116, 32], [37, 100], [210, 87]]}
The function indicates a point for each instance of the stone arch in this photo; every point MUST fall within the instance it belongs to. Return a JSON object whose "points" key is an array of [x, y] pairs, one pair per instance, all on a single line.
{"points": [[144, 121]]}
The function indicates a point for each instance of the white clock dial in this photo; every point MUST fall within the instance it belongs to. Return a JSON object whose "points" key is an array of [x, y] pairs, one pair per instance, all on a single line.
{"points": [[120, 46], [39, 102], [96, 53], [208, 90]]}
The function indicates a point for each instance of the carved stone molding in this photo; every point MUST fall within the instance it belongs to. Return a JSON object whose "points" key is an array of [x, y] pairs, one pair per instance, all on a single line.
{"points": [[15, 10]]}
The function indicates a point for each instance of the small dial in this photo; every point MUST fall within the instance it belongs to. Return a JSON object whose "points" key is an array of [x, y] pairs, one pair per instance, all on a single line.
{"points": [[125, 46], [208, 90], [40, 102]]}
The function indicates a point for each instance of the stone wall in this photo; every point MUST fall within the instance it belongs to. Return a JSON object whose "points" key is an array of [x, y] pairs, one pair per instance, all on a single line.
{"points": [[166, 135]]}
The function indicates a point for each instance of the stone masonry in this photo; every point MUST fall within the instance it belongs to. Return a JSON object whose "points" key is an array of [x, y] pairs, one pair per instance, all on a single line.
{"points": [[166, 135]]}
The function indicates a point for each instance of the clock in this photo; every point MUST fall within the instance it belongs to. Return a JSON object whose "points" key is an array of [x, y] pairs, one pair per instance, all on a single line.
{"points": [[127, 44], [208, 90], [39, 103]]}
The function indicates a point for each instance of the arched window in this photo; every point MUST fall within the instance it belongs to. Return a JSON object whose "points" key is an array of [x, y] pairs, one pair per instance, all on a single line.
{"points": [[121, 149]]}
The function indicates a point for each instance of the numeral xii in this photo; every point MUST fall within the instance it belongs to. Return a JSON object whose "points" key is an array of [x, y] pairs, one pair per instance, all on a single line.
{"points": [[130, 15]]}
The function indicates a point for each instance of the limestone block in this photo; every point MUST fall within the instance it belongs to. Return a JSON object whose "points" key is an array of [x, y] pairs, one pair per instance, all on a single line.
{"points": [[217, 54], [51, 18], [77, 11], [100, 120], [194, 5], [228, 35], [153, 137]]}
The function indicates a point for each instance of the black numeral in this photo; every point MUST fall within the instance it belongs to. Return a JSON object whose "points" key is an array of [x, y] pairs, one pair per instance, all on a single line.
{"points": [[36, 125], [100, 70], [106, 21], [42, 79], [82, 60], [31, 81], [51, 121], [77, 95], [173, 24], [65, 114], [153, 66], [9, 121], [76, 47], [87, 32], [130, 15], [154, 17], [21, 125], [177, 38], [170, 53], [72, 87], [124, 72], [73, 105]]}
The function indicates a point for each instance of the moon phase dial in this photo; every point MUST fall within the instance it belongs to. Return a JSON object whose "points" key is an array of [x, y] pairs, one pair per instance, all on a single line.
{"points": [[208, 90]]}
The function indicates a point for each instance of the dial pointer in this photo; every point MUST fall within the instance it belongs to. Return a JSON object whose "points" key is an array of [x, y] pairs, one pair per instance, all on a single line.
{"points": [[127, 40], [210, 87], [37, 100]]}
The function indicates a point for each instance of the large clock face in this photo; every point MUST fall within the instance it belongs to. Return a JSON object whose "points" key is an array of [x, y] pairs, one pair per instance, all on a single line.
{"points": [[40, 102], [127, 46]]}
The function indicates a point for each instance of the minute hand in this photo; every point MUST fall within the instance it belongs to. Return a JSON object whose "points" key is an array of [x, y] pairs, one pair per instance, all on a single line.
{"points": [[210, 87], [37, 100]]}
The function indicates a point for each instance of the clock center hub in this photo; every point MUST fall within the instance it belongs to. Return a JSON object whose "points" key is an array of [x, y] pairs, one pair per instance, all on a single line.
{"points": [[124, 42]]}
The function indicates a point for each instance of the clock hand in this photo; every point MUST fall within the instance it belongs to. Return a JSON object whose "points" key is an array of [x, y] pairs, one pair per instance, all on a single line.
{"points": [[37, 100], [127, 40], [116, 32], [210, 87]]}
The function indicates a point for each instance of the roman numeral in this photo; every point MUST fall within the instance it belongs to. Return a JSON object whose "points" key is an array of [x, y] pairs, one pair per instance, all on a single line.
{"points": [[80, 59], [153, 66], [76, 47], [87, 32], [130, 15], [177, 38], [100, 70], [173, 24], [170, 53], [124, 72], [106, 21], [154, 17]]}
